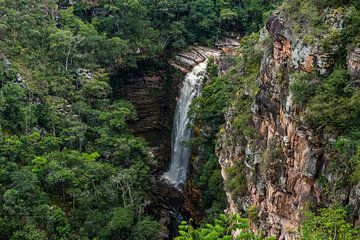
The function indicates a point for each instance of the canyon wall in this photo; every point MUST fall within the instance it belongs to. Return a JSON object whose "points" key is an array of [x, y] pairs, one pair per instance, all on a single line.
{"points": [[286, 160], [153, 91]]}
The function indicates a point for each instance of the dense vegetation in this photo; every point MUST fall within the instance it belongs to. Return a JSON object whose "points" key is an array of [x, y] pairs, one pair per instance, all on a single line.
{"points": [[70, 166], [208, 114], [329, 223], [222, 228]]}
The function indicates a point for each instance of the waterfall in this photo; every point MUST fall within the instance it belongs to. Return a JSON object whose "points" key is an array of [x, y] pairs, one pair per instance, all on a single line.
{"points": [[181, 133]]}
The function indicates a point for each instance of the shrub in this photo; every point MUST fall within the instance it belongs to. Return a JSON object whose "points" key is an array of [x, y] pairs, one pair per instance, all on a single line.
{"points": [[146, 229], [122, 219], [272, 163], [236, 181], [253, 213], [221, 228], [301, 87], [336, 104]]}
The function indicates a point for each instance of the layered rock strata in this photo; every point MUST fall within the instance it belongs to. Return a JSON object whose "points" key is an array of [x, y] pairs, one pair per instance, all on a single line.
{"points": [[280, 189]]}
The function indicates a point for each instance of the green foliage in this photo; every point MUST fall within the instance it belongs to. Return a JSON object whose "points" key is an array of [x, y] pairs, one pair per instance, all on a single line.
{"points": [[309, 21], [329, 224], [19, 114], [236, 181], [246, 16], [146, 229], [222, 228], [29, 232], [347, 149], [121, 221], [302, 87], [67, 157], [70, 167], [334, 3], [335, 105], [207, 112], [209, 108], [252, 213], [355, 160], [245, 75], [202, 21]]}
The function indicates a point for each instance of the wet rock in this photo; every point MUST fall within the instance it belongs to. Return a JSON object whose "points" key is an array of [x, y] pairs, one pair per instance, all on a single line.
{"points": [[185, 61]]}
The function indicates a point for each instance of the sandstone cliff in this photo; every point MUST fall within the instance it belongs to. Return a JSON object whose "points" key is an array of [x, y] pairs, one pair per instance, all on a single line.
{"points": [[284, 163], [152, 90]]}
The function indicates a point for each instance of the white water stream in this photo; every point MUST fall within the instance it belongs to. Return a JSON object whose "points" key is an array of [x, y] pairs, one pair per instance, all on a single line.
{"points": [[181, 133]]}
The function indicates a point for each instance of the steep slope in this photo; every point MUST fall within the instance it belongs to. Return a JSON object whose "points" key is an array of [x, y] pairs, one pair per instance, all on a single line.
{"points": [[292, 159]]}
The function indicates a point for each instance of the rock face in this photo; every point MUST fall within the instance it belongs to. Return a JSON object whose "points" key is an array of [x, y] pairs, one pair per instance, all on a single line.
{"points": [[284, 162], [227, 44], [353, 62], [153, 94], [185, 61], [294, 52]]}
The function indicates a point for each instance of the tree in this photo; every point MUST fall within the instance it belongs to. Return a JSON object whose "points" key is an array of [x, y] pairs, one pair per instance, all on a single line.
{"points": [[63, 43], [121, 222], [145, 229], [301, 87], [58, 227], [222, 228], [329, 224], [335, 105], [202, 21], [18, 114]]}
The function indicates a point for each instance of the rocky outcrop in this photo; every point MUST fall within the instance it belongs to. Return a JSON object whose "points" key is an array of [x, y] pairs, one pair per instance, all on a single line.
{"points": [[284, 162], [185, 61], [291, 50], [353, 62], [227, 44]]}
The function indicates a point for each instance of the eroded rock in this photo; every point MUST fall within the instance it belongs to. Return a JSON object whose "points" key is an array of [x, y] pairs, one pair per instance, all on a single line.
{"points": [[281, 188], [353, 62]]}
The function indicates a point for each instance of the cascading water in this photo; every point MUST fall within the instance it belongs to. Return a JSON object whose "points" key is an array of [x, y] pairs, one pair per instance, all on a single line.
{"points": [[181, 132]]}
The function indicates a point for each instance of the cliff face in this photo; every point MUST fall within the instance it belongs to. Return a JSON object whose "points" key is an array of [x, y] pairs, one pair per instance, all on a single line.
{"points": [[283, 164], [153, 92], [353, 62]]}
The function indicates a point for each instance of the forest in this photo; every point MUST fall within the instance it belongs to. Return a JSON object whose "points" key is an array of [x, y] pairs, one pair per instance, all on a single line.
{"points": [[71, 165]]}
